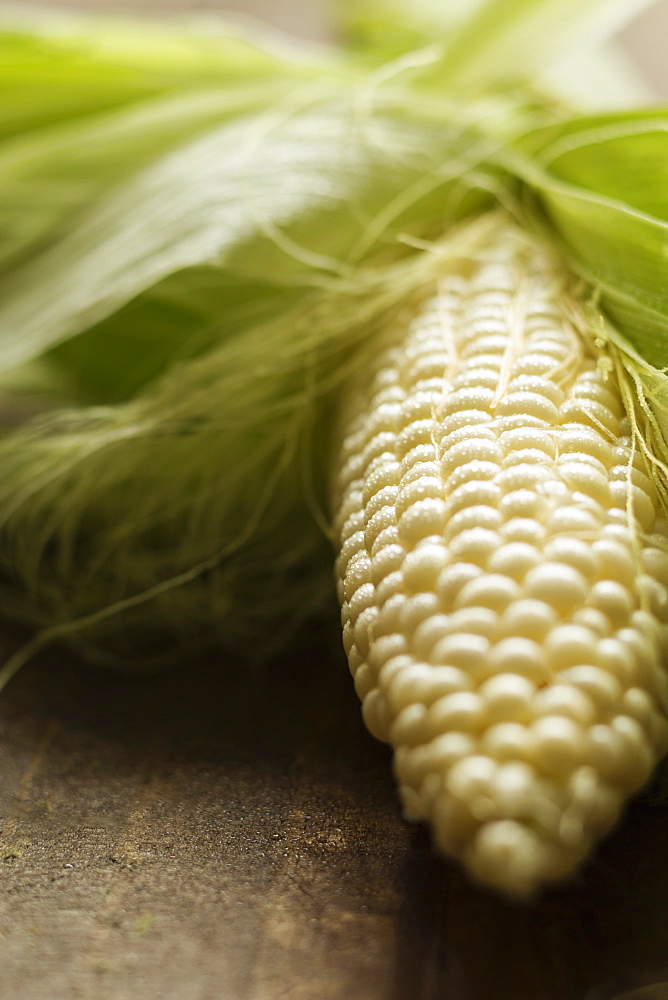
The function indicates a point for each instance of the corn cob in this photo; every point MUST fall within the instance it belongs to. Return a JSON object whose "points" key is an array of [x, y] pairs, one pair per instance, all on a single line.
{"points": [[502, 572]]}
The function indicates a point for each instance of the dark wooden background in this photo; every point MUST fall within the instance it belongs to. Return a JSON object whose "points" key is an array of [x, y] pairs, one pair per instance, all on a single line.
{"points": [[217, 834]]}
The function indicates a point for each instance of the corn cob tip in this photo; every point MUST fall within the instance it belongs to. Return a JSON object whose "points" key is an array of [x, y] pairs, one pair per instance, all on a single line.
{"points": [[502, 573]]}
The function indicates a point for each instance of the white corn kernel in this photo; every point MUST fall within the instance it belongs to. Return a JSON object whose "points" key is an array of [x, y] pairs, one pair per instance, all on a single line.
{"points": [[502, 612]]}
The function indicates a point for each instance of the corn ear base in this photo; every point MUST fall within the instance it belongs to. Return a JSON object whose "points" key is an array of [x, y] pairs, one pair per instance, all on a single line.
{"points": [[502, 570]]}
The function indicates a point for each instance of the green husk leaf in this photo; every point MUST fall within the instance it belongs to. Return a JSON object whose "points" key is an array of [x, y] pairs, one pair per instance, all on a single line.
{"points": [[602, 182], [61, 65], [486, 43]]}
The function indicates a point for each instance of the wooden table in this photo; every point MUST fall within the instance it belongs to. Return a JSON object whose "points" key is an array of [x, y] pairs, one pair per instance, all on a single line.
{"points": [[206, 836]]}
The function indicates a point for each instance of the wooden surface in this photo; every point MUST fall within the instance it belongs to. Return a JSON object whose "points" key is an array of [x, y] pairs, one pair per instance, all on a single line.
{"points": [[187, 838]]}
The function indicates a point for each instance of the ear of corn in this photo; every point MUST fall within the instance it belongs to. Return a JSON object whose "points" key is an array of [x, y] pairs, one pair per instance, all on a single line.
{"points": [[502, 572]]}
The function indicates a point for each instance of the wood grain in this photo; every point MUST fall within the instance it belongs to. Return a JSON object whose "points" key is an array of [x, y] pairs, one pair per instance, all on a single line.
{"points": [[214, 834]]}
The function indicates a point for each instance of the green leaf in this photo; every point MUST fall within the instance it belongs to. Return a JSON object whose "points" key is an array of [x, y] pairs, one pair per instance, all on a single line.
{"points": [[602, 182], [56, 65], [283, 199], [485, 43]]}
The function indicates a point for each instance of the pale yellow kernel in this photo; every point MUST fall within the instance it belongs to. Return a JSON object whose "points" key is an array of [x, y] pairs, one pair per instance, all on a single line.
{"points": [[574, 552], [388, 560], [560, 744], [533, 404], [379, 445], [453, 823], [419, 469], [614, 600], [420, 405], [655, 563], [563, 699], [508, 697], [594, 619], [518, 655], [415, 609], [605, 750], [472, 494], [352, 524], [473, 398], [639, 705], [348, 633], [616, 657], [561, 586], [508, 854], [392, 665], [472, 450], [422, 567], [592, 387], [615, 561], [484, 347], [529, 438], [364, 678], [410, 802], [387, 536], [463, 418], [426, 517], [507, 741], [471, 777], [520, 477], [430, 632], [524, 457], [529, 618], [523, 529], [463, 711], [358, 572], [543, 386], [599, 685], [477, 516], [638, 758], [426, 453], [587, 480], [419, 433], [385, 518], [573, 519], [383, 498], [461, 650], [424, 488], [653, 595], [515, 559], [485, 378], [386, 647], [622, 495], [481, 362], [363, 598], [422, 683], [477, 471], [453, 578], [514, 789], [492, 590], [476, 620], [568, 645], [589, 412], [363, 630], [534, 363], [584, 440], [630, 473], [475, 545], [391, 584], [389, 619], [447, 748], [376, 714], [409, 727], [352, 545], [523, 503]]}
